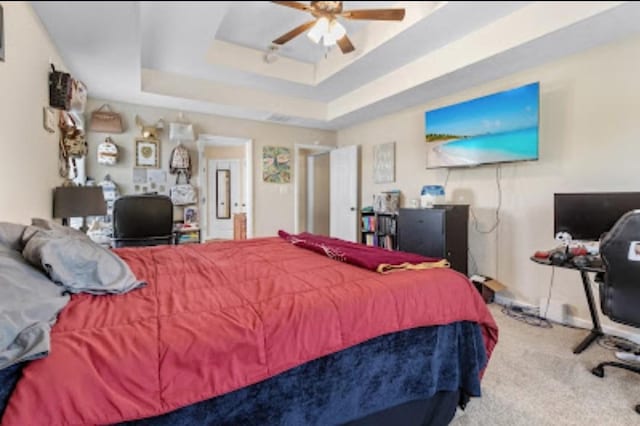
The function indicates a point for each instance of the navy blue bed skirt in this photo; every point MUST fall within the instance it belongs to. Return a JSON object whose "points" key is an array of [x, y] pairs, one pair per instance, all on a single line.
{"points": [[351, 384]]}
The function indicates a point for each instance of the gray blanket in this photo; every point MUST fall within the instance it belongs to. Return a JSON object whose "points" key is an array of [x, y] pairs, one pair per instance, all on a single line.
{"points": [[76, 263], [31, 300], [29, 303]]}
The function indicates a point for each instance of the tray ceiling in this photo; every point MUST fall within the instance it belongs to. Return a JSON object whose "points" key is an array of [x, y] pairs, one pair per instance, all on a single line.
{"points": [[210, 56]]}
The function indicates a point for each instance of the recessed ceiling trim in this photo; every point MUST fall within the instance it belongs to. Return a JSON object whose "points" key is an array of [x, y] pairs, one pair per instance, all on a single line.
{"points": [[372, 36], [171, 84], [252, 60], [520, 27]]}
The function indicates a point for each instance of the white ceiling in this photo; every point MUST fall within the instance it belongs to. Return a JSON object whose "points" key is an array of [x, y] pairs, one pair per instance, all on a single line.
{"points": [[256, 23], [208, 56]]}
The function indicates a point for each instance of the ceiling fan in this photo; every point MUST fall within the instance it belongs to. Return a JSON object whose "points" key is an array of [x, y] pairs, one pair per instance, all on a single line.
{"points": [[326, 26]]}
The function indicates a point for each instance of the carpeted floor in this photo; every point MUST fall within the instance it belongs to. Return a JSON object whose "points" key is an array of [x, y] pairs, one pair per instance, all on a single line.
{"points": [[534, 378]]}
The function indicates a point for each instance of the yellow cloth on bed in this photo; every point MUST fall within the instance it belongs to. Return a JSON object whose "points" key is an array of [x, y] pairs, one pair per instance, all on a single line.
{"points": [[385, 268]]}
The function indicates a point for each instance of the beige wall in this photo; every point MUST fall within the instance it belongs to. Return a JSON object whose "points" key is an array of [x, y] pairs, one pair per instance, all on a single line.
{"points": [[589, 141], [29, 168], [273, 203], [301, 169]]}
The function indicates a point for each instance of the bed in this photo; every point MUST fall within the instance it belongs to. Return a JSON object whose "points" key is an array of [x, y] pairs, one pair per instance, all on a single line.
{"points": [[258, 332]]}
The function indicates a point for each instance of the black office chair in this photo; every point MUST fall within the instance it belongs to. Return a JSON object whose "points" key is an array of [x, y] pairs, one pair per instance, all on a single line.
{"points": [[142, 220], [620, 289]]}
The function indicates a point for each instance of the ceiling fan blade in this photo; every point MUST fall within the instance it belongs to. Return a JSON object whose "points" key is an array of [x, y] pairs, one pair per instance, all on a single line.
{"points": [[294, 5], [294, 32], [375, 14], [345, 45]]}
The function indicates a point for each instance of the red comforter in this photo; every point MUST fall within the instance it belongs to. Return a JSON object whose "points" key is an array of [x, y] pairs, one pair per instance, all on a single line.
{"points": [[218, 317]]}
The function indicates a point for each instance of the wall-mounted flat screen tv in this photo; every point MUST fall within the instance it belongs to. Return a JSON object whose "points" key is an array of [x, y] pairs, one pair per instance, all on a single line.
{"points": [[497, 128]]}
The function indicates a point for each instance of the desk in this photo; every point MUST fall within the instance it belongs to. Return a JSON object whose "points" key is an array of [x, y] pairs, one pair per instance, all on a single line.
{"points": [[596, 330]]}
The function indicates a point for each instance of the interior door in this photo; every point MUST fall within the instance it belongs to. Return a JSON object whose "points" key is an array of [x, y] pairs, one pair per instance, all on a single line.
{"points": [[344, 172], [224, 197]]}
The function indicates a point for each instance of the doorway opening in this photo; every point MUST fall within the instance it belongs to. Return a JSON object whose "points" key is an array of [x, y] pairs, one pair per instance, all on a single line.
{"points": [[226, 180], [311, 189]]}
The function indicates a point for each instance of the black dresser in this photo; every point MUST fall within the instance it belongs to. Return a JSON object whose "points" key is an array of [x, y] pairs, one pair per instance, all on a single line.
{"points": [[441, 231]]}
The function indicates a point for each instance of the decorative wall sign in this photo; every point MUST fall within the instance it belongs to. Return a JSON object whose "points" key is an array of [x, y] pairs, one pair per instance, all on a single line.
{"points": [[276, 166], [147, 153], [384, 163]]}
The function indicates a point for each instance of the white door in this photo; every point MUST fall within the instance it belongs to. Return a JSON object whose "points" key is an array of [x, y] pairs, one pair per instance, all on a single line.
{"points": [[344, 193], [224, 197]]}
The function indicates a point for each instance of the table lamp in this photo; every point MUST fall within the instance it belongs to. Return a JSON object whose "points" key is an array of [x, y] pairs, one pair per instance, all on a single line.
{"points": [[78, 201]]}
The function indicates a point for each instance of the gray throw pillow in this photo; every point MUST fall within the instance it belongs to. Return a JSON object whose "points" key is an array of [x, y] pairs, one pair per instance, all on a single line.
{"points": [[29, 303], [77, 263], [53, 226], [11, 235]]}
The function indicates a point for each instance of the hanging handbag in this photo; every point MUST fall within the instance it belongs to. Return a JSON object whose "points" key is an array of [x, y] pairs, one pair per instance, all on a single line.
{"points": [[105, 120], [59, 89], [108, 152], [77, 96], [183, 194], [73, 139]]}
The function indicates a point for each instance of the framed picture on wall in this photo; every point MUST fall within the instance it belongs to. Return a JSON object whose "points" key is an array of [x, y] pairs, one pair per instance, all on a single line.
{"points": [[384, 163], [147, 153], [191, 215]]}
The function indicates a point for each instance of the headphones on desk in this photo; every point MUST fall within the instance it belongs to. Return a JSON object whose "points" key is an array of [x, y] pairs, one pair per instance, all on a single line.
{"points": [[558, 258]]}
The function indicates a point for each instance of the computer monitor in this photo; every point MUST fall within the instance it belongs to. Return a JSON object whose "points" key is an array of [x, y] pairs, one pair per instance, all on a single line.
{"points": [[586, 216]]}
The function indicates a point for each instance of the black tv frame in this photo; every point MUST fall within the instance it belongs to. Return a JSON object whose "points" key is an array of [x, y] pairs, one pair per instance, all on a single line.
{"points": [[618, 204]]}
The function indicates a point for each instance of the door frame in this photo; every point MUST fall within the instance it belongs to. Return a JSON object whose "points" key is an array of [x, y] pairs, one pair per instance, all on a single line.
{"points": [[205, 140], [211, 173], [297, 181]]}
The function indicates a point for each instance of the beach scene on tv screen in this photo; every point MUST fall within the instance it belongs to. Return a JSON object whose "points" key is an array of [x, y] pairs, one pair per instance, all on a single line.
{"points": [[496, 128]]}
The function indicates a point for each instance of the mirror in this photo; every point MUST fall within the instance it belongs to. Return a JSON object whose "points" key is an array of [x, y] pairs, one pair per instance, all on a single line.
{"points": [[223, 194]]}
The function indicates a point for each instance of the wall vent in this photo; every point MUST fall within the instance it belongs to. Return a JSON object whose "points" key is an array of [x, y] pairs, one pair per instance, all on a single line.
{"points": [[279, 118]]}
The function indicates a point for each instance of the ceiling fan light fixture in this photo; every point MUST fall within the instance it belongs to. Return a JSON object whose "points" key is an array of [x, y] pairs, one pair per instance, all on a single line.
{"points": [[325, 25], [337, 30], [320, 29]]}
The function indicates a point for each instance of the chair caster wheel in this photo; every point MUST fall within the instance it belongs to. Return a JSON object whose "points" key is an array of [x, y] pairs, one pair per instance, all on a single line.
{"points": [[638, 408], [598, 371]]}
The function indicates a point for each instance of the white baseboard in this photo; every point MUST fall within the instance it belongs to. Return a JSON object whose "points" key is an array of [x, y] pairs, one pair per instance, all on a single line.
{"points": [[573, 321]]}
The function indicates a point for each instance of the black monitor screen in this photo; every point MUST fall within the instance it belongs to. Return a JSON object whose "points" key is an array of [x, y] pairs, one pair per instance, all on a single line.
{"points": [[589, 215]]}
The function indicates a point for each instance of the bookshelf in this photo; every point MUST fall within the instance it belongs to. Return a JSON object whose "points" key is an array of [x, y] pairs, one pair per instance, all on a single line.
{"points": [[379, 230]]}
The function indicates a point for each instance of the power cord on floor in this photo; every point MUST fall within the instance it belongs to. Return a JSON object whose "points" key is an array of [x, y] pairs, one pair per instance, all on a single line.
{"points": [[530, 316], [615, 343]]}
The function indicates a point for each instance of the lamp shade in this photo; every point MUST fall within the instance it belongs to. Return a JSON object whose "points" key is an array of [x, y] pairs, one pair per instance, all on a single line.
{"points": [[320, 28], [181, 132], [335, 32], [78, 201]]}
